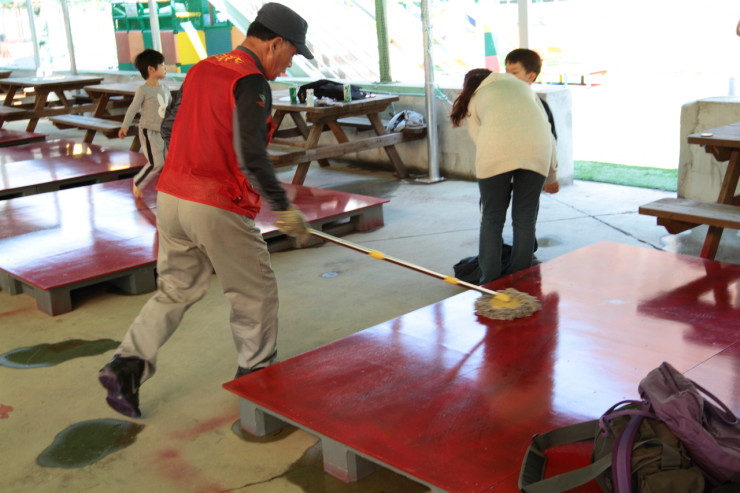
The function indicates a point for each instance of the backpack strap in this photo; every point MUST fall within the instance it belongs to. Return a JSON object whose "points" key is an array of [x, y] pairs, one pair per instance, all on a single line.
{"points": [[625, 443], [622, 455], [533, 468], [718, 407]]}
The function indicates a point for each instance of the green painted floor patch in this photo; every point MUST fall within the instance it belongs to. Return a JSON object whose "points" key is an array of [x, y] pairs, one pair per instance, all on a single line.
{"points": [[87, 442], [53, 354], [632, 176]]}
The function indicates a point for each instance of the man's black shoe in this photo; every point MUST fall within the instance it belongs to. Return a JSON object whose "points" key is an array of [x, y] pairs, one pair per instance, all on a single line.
{"points": [[241, 371], [122, 378]]}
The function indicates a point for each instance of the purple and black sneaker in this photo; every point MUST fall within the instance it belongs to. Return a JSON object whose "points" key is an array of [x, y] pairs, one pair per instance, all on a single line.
{"points": [[122, 378]]}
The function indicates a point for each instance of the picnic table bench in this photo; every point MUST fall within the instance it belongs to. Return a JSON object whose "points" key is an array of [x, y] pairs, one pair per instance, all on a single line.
{"points": [[107, 126], [678, 215], [106, 97]]}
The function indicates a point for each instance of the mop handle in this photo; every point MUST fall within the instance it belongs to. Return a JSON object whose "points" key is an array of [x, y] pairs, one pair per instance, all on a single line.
{"points": [[381, 256]]}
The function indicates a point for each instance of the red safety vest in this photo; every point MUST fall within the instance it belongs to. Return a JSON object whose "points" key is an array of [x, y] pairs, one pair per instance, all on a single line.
{"points": [[201, 163]]}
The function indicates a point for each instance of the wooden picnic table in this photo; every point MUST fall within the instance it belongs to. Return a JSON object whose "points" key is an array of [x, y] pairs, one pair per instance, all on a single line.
{"points": [[105, 97], [311, 122], [42, 88], [102, 94], [678, 215]]}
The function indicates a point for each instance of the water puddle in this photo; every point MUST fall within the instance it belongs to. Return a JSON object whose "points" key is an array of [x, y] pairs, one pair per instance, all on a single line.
{"points": [[87, 442], [53, 354], [548, 241]]}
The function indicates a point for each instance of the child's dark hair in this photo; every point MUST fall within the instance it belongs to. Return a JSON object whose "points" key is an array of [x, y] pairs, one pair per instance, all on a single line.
{"points": [[148, 58], [471, 82], [529, 59]]}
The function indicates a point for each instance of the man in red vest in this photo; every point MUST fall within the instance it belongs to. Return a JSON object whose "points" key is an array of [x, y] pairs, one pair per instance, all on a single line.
{"points": [[214, 179]]}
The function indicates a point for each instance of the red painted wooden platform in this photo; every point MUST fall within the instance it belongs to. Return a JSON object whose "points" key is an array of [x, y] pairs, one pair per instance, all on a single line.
{"points": [[16, 137], [53, 243], [54, 165], [451, 399]]}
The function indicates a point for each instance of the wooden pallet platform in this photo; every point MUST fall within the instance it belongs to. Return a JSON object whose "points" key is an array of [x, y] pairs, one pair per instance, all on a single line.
{"points": [[56, 242], [451, 399], [17, 137], [55, 165]]}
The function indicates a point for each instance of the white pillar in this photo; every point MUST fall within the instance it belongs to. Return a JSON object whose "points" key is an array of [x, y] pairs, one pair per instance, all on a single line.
{"points": [[154, 24], [523, 23], [429, 91], [70, 44]]}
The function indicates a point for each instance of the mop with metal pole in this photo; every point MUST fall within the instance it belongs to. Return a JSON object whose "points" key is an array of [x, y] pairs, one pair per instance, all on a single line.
{"points": [[507, 304]]}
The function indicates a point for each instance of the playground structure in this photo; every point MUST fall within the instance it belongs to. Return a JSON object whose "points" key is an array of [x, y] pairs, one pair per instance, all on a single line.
{"points": [[189, 31]]}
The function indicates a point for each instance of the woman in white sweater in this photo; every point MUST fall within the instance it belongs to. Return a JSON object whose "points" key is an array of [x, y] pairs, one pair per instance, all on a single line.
{"points": [[514, 160]]}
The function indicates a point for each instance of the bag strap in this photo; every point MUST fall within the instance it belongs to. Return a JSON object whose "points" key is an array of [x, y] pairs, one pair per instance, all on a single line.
{"points": [[622, 455], [533, 467], [718, 407]]}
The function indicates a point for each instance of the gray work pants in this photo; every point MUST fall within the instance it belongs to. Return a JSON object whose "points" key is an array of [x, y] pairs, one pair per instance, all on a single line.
{"points": [[194, 241]]}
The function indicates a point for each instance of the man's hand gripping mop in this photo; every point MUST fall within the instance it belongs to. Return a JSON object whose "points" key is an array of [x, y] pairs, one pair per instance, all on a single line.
{"points": [[507, 304]]}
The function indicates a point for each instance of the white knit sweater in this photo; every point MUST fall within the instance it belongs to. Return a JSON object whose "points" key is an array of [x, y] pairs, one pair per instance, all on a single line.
{"points": [[510, 129]]}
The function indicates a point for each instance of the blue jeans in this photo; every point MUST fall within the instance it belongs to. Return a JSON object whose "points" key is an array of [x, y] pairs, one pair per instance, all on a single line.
{"points": [[496, 192]]}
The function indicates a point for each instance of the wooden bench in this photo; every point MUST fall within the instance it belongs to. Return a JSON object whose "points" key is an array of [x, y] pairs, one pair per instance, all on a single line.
{"points": [[284, 153], [107, 126], [11, 113], [361, 123], [678, 215]]}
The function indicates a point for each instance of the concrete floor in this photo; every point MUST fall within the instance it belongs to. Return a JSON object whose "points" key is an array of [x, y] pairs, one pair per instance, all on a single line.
{"points": [[187, 443]]}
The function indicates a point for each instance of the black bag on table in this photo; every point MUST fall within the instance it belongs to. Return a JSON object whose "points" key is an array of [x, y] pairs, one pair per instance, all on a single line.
{"points": [[325, 88]]}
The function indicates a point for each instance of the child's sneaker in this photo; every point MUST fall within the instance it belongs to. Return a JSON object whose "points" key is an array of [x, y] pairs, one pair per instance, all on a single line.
{"points": [[122, 378]]}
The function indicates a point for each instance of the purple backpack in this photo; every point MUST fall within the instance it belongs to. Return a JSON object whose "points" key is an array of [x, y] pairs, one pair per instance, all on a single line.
{"points": [[707, 427], [674, 440]]}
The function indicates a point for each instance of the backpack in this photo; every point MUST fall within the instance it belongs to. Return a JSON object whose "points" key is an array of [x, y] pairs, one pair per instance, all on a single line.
{"points": [[468, 269], [673, 440], [632, 450]]}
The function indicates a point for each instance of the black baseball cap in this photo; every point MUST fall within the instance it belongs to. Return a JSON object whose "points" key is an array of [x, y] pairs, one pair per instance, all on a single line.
{"points": [[286, 23]]}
